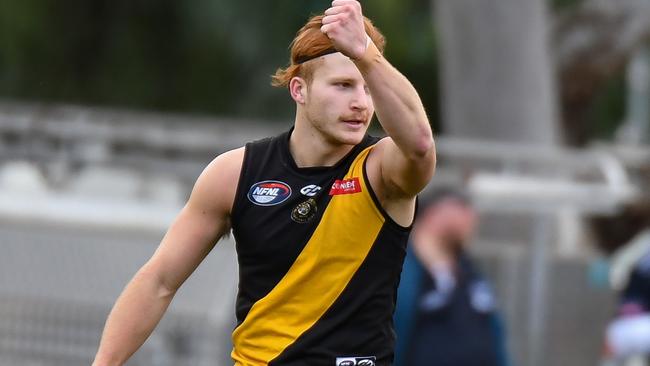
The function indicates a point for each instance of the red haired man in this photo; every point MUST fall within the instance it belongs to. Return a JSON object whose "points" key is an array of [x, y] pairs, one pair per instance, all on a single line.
{"points": [[321, 213]]}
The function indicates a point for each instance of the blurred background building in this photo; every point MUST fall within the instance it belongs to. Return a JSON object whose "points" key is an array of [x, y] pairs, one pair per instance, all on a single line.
{"points": [[109, 111]]}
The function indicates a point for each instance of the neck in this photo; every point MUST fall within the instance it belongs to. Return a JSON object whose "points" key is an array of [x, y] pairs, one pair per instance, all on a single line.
{"points": [[309, 148]]}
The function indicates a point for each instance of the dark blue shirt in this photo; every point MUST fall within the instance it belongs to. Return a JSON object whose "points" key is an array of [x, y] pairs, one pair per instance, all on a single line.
{"points": [[458, 327]]}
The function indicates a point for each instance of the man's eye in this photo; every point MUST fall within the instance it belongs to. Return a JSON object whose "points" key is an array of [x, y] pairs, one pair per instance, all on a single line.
{"points": [[343, 85]]}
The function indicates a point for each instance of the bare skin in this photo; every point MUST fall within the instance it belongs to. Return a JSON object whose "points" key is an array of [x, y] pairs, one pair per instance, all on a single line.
{"points": [[332, 116], [439, 230]]}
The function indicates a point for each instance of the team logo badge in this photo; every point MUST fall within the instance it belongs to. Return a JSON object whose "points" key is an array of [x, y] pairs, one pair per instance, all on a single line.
{"points": [[356, 361], [269, 193], [310, 190], [304, 212]]}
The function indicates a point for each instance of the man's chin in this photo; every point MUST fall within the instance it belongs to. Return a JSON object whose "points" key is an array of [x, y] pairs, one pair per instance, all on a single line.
{"points": [[352, 138]]}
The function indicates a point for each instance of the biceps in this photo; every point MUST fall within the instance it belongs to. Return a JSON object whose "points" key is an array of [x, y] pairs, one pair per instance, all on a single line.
{"points": [[187, 242], [406, 176]]}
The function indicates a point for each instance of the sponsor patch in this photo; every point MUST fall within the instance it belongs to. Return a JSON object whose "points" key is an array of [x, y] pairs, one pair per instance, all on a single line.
{"points": [[356, 361], [346, 186], [269, 193], [310, 190]]}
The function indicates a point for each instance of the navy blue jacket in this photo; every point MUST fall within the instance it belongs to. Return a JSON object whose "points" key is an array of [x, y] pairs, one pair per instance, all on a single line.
{"points": [[461, 328]]}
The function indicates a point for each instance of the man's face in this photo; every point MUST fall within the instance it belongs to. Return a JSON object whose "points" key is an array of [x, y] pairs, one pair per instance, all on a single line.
{"points": [[452, 221], [337, 101]]}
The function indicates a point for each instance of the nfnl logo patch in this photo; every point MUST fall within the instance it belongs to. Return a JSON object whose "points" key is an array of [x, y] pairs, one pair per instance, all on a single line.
{"points": [[269, 193], [346, 186]]}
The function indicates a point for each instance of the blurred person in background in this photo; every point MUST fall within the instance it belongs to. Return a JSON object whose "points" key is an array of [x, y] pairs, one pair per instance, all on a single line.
{"points": [[321, 214], [627, 237], [446, 314]]}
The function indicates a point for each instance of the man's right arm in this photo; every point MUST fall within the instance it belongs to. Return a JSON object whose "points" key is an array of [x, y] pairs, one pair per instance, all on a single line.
{"points": [[194, 232]]}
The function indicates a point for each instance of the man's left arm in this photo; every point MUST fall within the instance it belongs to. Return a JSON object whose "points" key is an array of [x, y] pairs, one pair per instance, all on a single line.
{"points": [[408, 156]]}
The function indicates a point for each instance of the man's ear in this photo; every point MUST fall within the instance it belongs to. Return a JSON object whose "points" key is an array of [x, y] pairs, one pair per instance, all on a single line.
{"points": [[298, 89]]}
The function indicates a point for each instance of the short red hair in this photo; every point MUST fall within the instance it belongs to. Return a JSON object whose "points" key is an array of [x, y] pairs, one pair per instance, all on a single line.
{"points": [[310, 41]]}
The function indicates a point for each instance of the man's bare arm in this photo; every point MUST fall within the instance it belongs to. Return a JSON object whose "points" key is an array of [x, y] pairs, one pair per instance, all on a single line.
{"points": [[407, 159], [195, 231], [408, 156]]}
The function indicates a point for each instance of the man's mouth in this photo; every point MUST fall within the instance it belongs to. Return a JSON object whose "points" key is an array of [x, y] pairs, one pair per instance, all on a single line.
{"points": [[354, 121]]}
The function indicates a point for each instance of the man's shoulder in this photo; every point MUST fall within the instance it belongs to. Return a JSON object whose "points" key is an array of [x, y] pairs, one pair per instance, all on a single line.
{"points": [[377, 143], [224, 169], [229, 160], [215, 188]]}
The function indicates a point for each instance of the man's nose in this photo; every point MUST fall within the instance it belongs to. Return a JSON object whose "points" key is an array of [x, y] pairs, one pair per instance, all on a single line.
{"points": [[361, 99]]}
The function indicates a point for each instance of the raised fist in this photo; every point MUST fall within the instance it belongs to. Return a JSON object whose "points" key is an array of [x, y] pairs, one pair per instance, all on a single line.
{"points": [[343, 24]]}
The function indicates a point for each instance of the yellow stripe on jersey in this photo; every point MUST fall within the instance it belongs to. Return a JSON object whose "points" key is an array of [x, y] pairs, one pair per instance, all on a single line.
{"points": [[337, 248]]}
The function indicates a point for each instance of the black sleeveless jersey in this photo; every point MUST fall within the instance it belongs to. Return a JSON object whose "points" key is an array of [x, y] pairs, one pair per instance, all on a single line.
{"points": [[319, 261]]}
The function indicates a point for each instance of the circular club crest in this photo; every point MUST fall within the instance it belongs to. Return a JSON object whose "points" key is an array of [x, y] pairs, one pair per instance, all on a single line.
{"points": [[269, 193], [304, 212]]}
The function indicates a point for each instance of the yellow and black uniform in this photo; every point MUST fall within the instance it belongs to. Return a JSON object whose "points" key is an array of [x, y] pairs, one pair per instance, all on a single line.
{"points": [[319, 261]]}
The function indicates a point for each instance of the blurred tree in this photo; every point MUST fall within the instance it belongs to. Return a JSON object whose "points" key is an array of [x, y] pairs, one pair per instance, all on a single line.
{"points": [[197, 56], [593, 44], [215, 57], [557, 5]]}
